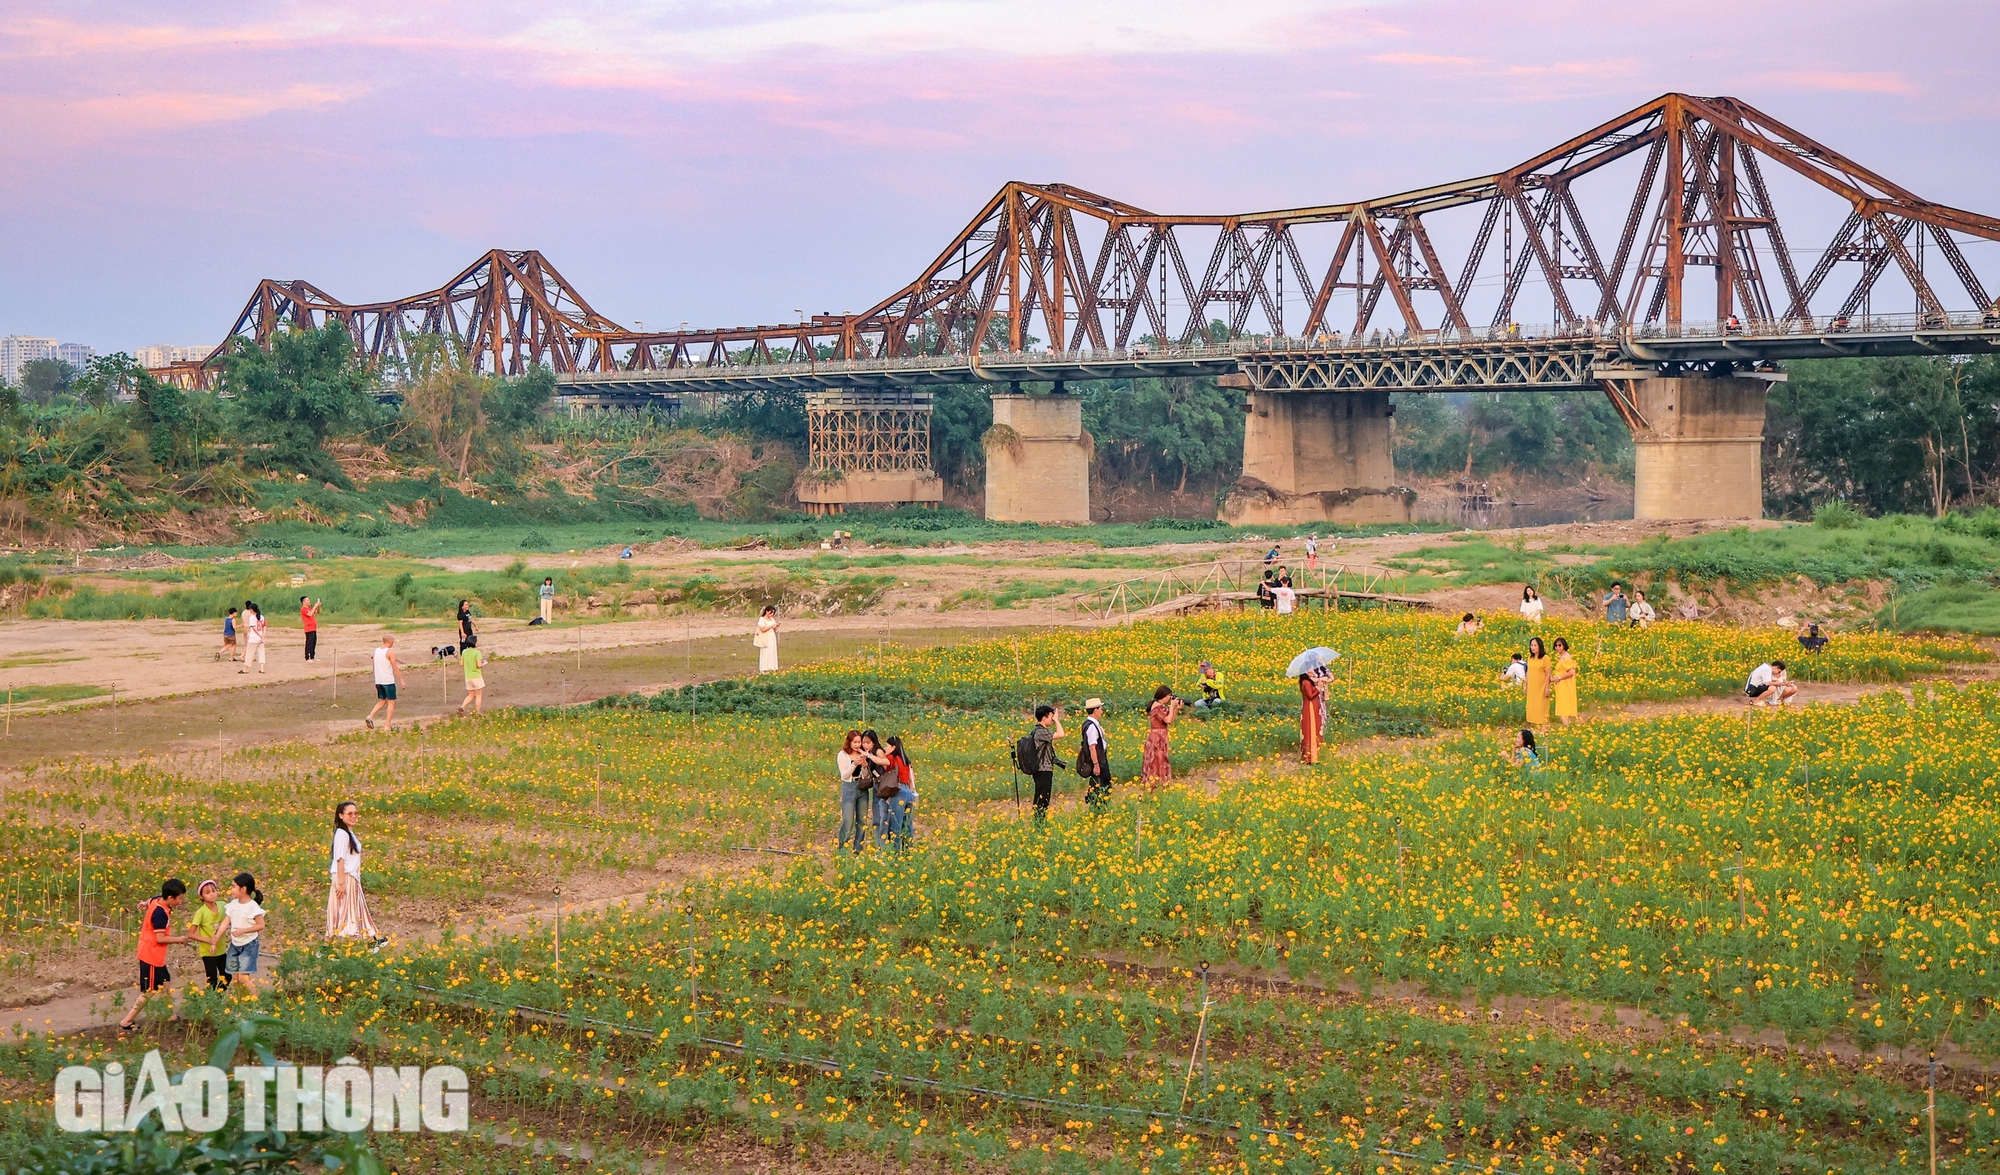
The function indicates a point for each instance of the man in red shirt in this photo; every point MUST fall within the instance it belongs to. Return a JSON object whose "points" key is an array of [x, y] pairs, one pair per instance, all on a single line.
{"points": [[309, 617]]}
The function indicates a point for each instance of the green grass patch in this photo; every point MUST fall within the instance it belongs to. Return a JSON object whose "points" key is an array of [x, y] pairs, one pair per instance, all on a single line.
{"points": [[23, 694], [1965, 607]]}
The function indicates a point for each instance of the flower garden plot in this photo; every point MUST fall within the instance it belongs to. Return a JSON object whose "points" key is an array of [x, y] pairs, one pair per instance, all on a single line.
{"points": [[808, 1031]]}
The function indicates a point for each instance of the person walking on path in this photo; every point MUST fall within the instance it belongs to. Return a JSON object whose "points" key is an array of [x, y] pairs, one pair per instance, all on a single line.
{"points": [[474, 663], [1617, 609], [245, 912], [854, 795], [1312, 717], [1538, 682], [155, 933], [309, 620], [388, 675], [346, 903], [548, 595], [1155, 767], [1093, 758], [1769, 685], [210, 934], [1048, 728], [766, 640], [229, 636], [465, 634], [253, 633], [1531, 605], [1562, 682]]}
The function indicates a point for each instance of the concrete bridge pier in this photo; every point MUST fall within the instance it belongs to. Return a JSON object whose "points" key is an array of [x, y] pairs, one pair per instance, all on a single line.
{"points": [[1699, 442], [1317, 457], [1037, 460]]}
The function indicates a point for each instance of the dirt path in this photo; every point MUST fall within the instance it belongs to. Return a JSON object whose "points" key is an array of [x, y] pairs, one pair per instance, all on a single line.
{"points": [[241, 710]]}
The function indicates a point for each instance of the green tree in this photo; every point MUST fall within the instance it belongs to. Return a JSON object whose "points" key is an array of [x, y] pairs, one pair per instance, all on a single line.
{"points": [[110, 378], [514, 405], [305, 388], [43, 380], [1175, 428]]}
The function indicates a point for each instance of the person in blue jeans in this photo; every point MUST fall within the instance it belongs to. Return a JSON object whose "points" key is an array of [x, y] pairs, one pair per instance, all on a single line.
{"points": [[853, 799], [895, 817]]}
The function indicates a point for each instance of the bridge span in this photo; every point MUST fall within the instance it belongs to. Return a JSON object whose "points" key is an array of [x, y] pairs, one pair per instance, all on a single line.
{"points": [[1318, 313]]}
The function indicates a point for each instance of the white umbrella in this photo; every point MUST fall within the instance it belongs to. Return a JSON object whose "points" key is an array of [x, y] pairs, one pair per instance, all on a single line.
{"points": [[1310, 660]]}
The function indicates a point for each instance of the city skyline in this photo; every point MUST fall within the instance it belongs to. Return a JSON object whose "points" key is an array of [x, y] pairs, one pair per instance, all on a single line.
{"points": [[725, 164]]}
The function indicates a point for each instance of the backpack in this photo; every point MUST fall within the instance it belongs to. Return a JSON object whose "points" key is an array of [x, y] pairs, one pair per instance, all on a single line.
{"points": [[1027, 756]]}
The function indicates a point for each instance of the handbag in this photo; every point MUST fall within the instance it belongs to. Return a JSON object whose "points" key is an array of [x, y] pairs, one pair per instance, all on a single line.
{"points": [[761, 640]]}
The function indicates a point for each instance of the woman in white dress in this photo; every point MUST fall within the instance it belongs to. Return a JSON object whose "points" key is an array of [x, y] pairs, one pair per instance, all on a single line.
{"points": [[1531, 605], [766, 640], [346, 906]]}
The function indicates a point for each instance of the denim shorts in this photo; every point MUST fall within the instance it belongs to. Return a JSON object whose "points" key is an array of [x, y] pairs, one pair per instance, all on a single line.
{"points": [[243, 959]]}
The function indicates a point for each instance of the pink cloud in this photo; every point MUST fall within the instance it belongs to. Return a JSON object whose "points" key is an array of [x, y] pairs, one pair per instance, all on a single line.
{"points": [[1840, 80], [1420, 59]]}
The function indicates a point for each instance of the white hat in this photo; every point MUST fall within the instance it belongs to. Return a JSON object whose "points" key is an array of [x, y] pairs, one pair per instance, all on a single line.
{"points": [[1093, 704]]}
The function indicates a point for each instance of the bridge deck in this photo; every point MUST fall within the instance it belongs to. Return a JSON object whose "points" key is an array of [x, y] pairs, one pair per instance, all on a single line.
{"points": [[1544, 360]]}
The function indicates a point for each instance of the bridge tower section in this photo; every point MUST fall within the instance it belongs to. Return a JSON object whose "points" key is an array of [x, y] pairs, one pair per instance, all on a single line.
{"points": [[867, 446], [1698, 440], [1317, 456], [1037, 459]]}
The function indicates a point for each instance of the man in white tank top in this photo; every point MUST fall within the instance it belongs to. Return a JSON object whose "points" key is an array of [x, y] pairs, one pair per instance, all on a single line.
{"points": [[388, 675]]}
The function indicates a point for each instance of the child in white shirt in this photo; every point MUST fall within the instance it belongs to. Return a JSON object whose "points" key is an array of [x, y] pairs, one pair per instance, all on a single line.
{"points": [[245, 912]]}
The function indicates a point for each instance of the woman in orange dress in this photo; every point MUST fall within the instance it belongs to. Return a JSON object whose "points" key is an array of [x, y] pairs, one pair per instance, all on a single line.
{"points": [[1154, 767], [1312, 719]]}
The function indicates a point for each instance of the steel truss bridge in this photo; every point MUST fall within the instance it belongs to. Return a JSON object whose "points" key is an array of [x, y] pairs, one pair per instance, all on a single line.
{"points": [[1595, 237]]}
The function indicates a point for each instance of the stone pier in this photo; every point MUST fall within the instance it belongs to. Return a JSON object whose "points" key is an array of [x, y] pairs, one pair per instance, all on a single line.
{"points": [[1317, 457], [1700, 445], [1037, 460]]}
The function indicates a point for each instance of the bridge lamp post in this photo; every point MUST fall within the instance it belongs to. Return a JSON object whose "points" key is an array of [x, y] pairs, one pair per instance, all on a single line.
{"points": [[812, 352]]}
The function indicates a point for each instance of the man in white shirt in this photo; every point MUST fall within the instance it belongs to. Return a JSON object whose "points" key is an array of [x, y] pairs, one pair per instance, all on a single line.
{"points": [[1286, 596], [388, 675], [1769, 685], [1095, 763], [1516, 672]]}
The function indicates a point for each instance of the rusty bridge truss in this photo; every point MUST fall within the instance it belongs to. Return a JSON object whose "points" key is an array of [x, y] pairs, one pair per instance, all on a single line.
{"points": [[1688, 229]]}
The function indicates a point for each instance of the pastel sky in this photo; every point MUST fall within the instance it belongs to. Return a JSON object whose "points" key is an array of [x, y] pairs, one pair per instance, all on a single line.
{"points": [[729, 162]]}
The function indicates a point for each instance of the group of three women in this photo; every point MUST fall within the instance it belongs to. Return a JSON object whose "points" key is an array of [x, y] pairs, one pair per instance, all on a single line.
{"points": [[875, 783]]}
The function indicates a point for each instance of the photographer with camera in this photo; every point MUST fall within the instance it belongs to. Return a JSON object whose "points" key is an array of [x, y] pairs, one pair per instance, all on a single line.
{"points": [[1154, 767], [1036, 755]]}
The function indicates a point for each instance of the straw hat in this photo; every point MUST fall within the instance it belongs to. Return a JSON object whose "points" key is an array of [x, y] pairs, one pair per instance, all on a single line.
{"points": [[1090, 704]]}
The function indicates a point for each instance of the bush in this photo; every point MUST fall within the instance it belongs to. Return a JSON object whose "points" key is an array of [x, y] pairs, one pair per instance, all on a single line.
{"points": [[1836, 516]]}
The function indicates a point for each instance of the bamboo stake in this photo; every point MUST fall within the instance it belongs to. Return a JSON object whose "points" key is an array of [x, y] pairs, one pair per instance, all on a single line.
{"points": [[1200, 1031], [79, 883], [559, 929], [1931, 1097]]}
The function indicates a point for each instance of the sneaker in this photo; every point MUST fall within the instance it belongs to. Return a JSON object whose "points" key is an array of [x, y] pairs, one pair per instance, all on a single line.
{"points": [[370, 722]]}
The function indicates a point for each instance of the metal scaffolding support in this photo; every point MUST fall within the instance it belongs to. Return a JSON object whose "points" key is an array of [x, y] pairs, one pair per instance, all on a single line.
{"points": [[867, 446]]}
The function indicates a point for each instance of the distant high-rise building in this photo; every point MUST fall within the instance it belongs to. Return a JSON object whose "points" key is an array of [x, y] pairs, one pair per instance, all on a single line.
{"points": [[17, 351], [166, 354], [77, 355]]}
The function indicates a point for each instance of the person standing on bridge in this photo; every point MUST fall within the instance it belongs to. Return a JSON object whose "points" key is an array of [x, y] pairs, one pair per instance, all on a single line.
{"points": [[1312, 553]]}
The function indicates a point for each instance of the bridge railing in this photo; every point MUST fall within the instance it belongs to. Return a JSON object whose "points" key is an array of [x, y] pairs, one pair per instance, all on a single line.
{"points": [[1005, 363]]}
